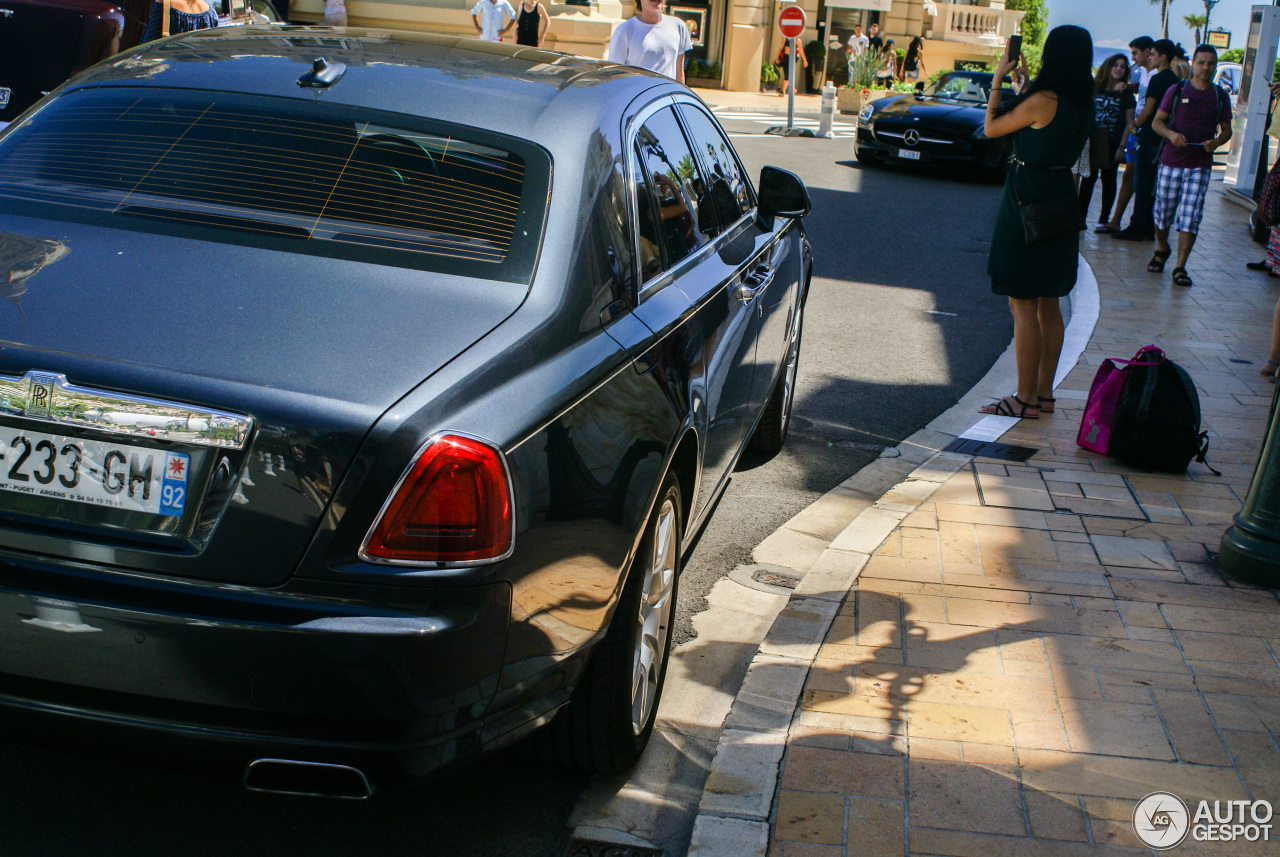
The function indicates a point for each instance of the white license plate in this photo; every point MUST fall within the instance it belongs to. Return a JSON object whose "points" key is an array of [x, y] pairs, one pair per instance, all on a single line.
{"points": [[99, 473], [4, 97], [909, 154]]}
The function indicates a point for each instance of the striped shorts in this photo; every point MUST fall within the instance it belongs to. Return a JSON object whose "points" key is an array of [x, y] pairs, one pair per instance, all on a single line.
{"points": [[1180, 193]]}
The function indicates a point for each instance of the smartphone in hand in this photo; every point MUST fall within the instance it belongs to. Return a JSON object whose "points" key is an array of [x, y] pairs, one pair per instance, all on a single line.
{"points": [[1015, 48]]}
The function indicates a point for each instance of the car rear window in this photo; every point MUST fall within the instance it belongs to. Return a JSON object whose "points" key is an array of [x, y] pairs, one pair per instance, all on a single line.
{"points": [[284, 174]]}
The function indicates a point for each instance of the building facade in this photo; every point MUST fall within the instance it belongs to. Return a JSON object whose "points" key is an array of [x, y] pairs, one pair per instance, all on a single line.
{"points": [[738, 35]]}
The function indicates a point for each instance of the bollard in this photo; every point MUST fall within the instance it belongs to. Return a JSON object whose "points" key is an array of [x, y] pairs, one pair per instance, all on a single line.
{"points": [[828, 110], [1250, 549]]}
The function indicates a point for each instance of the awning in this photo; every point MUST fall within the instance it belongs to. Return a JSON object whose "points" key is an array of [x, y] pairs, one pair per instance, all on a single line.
{"points": [[873, 5]]}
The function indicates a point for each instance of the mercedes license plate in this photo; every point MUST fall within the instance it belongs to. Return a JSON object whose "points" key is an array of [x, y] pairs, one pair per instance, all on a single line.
{"points": [[4, 97], [909, 154], [100, 473]]}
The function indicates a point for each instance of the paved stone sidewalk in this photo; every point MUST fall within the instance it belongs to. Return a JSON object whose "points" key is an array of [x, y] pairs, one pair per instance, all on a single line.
{"points": [[1034, 647]]}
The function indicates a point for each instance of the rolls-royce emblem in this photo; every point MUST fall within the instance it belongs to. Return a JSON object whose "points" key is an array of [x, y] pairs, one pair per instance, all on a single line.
{"points": [[40, 400], [912, 137]]}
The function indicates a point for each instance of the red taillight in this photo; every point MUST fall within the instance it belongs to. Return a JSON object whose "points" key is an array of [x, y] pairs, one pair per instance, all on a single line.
{"points": [[453, 506]]}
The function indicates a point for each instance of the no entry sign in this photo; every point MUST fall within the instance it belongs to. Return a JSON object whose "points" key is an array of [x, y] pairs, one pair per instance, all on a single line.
{"points": [[791, 21]]}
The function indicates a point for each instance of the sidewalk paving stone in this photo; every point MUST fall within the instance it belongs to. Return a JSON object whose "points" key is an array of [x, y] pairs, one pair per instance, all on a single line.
{"points": [[1031, 647]]}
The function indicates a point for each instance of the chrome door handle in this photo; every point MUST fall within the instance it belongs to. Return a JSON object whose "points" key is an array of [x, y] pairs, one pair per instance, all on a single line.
{"points": [[754, 282]]}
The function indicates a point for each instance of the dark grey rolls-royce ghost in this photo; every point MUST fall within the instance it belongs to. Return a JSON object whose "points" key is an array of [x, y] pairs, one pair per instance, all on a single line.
{"points": [[360, 393]]}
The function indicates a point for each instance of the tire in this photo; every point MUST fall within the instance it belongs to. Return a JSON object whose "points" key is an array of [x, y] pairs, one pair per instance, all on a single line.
{"points": [[864, 156], [771, 431], [608, 721]]}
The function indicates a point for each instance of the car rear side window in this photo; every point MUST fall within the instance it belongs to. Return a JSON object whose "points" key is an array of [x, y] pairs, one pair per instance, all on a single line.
{"points": [[677, 220], [288, 175], [730, 191]]}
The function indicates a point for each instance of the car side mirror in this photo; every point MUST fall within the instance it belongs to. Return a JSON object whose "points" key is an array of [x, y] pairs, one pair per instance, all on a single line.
{"points": [[919, 87], [782, 194]]}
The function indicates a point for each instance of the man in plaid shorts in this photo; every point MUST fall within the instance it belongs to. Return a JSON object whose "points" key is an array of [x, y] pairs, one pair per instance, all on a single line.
{"points": [[1194, 119]]}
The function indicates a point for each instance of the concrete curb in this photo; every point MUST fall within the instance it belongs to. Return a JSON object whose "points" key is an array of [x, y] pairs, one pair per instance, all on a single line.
{"points": [[725, 751]]}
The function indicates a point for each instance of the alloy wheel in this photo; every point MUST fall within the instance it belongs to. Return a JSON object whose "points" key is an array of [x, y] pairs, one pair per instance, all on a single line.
{"points": [[654, 619]]}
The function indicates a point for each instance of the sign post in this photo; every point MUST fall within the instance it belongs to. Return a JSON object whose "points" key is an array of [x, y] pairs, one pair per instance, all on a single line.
{"points": [[791, 22]]}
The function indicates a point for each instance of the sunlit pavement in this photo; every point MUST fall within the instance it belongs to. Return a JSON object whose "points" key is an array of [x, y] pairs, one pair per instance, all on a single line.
{"points": [[1032, 648]]}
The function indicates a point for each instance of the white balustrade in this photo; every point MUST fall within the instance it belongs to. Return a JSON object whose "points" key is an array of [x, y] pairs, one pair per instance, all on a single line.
{"points": [[978, 25]]}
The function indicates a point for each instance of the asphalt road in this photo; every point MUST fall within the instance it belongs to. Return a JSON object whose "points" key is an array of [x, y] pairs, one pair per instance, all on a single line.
{"points": [[900, 322]]}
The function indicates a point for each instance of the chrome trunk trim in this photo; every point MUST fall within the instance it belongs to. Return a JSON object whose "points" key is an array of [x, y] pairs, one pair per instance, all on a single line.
{"points": [[47, 397]]}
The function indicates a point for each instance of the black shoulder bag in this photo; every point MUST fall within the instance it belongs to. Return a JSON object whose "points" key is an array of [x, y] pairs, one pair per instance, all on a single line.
{"points": [[1048, 219]]}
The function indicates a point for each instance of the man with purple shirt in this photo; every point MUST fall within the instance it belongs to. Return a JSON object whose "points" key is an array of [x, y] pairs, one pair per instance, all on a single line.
{"points": [[1194, 119]]}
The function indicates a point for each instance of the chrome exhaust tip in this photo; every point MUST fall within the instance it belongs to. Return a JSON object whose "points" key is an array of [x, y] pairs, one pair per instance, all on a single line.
{"points": [[309, 779]]}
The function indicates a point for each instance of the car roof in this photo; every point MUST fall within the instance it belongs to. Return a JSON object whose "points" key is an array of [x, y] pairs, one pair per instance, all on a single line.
{"points": [[506, 88]]}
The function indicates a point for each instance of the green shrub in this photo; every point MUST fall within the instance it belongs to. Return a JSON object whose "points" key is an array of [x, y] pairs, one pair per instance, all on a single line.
{"points": [[704, 69], [862, 70], [769, 73], [816, 52]]}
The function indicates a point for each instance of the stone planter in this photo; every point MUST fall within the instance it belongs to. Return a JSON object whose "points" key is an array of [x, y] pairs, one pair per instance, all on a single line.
{"points": [[703, 83], [849, 99]]}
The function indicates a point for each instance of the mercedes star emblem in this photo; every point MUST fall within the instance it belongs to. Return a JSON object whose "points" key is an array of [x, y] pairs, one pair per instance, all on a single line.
{"points": [[912, 137]]}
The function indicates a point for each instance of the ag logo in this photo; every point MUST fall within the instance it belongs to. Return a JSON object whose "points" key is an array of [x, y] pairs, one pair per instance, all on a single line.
{"points": [[1161, 820]]}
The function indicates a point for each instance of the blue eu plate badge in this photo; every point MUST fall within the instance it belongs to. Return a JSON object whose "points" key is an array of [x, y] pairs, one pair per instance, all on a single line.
{"points": [[173, 487]]}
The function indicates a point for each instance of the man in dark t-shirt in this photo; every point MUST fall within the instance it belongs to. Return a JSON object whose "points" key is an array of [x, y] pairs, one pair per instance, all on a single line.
{"points": [[1194, 118], [1141, 226], [875, 42]]}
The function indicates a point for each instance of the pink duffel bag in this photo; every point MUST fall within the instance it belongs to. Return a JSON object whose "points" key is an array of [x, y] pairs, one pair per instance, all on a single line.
{"points": [[1104, 397]]}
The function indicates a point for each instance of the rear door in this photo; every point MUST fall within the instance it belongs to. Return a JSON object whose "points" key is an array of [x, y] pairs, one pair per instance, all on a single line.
{"points": [[772, 271], [688, 271]]}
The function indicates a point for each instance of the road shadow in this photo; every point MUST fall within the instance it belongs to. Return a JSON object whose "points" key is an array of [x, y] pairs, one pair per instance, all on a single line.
{"points": [[56, 802]]}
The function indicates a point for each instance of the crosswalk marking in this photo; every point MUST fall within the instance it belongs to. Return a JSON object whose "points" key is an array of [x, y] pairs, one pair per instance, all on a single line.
{"points": [[839, 129]]}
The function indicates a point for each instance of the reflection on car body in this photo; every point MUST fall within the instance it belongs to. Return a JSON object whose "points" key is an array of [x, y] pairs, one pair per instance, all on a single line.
{"points": [[44, 42], [451, 385]]}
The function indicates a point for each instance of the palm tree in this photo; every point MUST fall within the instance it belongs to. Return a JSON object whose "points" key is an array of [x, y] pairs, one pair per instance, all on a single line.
{"points": [[1164, 17], [1196, 22]]}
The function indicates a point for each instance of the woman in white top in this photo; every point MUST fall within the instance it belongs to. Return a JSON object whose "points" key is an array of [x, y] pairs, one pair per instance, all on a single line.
{"points": [[652, 40], [888, 72]]}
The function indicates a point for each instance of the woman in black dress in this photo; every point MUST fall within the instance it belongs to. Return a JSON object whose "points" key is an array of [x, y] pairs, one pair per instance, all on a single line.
{"points": [[784, 54], [1050, 121]]}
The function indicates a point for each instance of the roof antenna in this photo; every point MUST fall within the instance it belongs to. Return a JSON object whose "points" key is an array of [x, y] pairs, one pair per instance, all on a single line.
{"points": [[323, 73]]}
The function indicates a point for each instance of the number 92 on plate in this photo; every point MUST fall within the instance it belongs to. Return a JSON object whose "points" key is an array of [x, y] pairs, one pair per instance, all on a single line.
{"points": [[98, 473]]}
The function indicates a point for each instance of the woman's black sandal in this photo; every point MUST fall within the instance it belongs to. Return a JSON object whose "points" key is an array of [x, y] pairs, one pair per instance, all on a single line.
{"points": [[1180, 277], [1156, 265], [1046, 409], [1002, 408]]}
